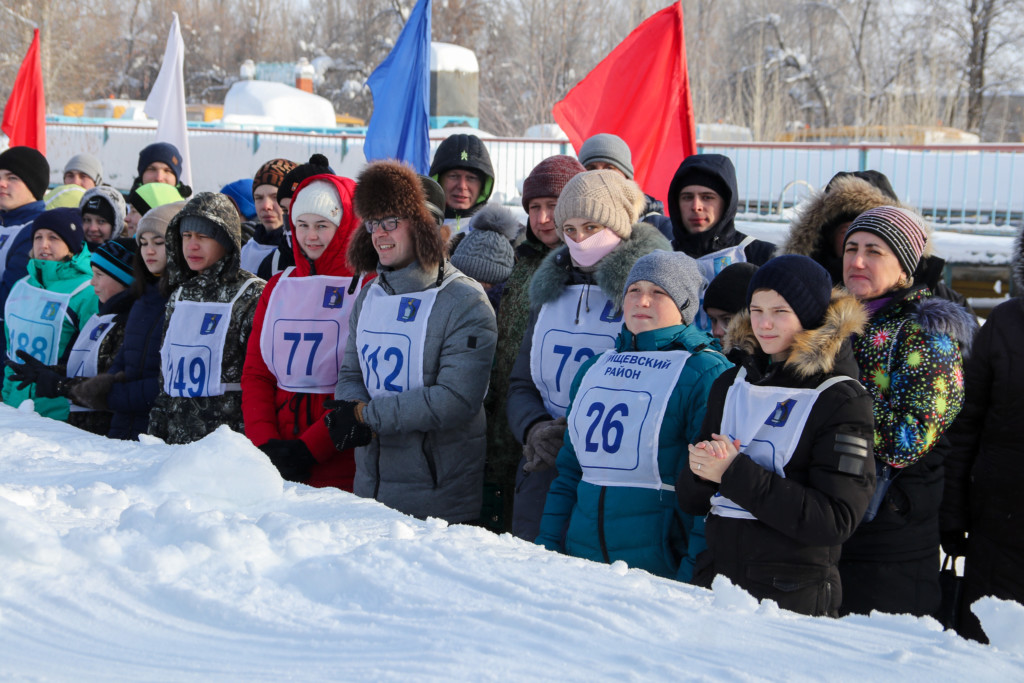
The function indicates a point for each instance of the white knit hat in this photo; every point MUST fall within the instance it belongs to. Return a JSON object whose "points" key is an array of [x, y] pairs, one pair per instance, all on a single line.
{"points": [[319, 198]]}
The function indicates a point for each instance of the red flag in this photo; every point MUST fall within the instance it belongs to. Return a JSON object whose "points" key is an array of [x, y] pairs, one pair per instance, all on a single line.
{"points": [[641, 93], [25, 113]]}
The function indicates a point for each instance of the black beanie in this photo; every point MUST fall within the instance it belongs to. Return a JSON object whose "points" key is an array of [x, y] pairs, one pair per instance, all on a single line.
{"points": [[99, 205], [699, 175], [801, 281], [115, 259], [66, 222], [29, 165], [317, 165], [728, 291]]}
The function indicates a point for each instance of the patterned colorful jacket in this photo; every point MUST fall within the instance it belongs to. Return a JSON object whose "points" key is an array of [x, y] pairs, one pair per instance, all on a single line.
{"points": [[910, 361]]}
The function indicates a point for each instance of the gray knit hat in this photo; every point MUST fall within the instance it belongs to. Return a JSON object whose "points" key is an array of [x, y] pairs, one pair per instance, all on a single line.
{"points": [[676, 273], [604, 197], [485, 253], [155, 220], [87, 164], [611, 149]]}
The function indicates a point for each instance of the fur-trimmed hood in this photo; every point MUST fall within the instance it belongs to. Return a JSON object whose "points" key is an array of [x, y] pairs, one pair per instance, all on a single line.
{"points": [[936, 315], [848, 197], [814, 351], [556, 271], [390, 188], [1017, 267], [114, 199]]}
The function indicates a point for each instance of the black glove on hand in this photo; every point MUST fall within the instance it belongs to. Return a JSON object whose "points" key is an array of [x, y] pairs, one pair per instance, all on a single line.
{"points": [[954, 543], [49, 383], [543, 441], [291, 458], [343, 424]]}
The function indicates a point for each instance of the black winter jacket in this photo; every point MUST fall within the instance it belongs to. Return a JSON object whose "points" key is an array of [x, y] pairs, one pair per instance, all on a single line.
{"points": [[791, 551], [723, 233]]}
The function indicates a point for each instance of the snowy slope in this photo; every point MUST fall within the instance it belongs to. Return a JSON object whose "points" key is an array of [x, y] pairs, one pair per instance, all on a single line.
{"points": [[147, 562]]}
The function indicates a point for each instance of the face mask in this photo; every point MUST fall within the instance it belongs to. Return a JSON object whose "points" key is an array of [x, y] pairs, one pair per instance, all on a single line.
{"points": [[594, 248]]}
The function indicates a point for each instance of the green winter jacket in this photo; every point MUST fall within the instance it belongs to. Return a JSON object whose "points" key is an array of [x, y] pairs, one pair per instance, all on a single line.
{"points": [[63, 277], [643, 527]]}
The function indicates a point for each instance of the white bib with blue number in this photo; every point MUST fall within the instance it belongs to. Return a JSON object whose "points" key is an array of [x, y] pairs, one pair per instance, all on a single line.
{"points": [[581, 323], [710, 265], [305, 330], [83, 361], [193, 348], [617, 415], [35, 318], [769, 422], [390, 335]]}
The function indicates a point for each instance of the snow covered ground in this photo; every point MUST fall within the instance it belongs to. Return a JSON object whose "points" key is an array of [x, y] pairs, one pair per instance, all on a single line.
{"points": [[148, 562]]}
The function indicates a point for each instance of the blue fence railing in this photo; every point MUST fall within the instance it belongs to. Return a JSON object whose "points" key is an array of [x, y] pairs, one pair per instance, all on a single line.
{"points": [[973, 187]]}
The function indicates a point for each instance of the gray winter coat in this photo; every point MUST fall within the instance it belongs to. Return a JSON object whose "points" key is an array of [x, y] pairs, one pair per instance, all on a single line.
{"points": [[525, 405], [427, 455]]}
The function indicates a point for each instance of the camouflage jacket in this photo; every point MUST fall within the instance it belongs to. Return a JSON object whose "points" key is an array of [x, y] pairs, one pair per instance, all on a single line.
{"points": [[185, 419]]}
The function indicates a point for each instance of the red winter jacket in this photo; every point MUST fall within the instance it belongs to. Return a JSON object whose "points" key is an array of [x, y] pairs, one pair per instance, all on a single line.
{"points": [[271, 412]]}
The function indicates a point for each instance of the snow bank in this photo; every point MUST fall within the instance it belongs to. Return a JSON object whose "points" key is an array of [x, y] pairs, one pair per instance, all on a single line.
{"points": [[146, 562]]}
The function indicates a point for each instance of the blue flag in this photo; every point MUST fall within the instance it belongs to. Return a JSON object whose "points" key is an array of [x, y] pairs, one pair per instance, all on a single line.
{"points": [[399, 128]]}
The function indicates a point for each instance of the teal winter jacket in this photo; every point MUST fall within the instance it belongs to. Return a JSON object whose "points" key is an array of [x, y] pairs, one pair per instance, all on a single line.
{"points": [[62, 277], [643, 527]]}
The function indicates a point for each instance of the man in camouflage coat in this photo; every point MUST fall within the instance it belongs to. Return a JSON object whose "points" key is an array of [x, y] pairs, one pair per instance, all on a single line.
{"points": [[197, 347]]}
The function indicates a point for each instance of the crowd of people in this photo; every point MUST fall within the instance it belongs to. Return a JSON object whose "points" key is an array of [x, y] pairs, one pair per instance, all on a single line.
{"points": [[608, 381]]}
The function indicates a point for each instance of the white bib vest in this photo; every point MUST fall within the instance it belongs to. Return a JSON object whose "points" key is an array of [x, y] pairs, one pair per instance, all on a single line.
{"points": [[617, 415], [305, 330], [193, 349], [83, 361], [711, 265], [253, 253], [34, 318], [569, 330], [390, 336], [769, 422]]}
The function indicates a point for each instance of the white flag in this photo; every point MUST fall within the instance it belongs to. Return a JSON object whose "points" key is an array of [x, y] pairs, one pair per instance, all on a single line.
{"points": [[166, 101]]}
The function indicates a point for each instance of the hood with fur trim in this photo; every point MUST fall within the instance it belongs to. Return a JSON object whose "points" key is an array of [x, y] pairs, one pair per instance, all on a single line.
{"points": [[333, 260], [1017, 267], [556, 271], [115, 199], [848, 197], [814, 351], [390, 188]]}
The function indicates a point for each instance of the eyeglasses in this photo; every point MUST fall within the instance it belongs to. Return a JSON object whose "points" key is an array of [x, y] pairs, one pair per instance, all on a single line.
{"points": [[388, 224]]}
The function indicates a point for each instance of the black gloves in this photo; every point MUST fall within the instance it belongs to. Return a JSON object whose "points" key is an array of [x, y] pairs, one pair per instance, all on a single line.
{"points": [[954, 543], [291, 458], [345, 424], [49, 382]]}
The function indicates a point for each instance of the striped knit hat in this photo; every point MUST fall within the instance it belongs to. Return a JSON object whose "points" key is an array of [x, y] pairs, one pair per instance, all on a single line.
{"points": [[904, 231]]}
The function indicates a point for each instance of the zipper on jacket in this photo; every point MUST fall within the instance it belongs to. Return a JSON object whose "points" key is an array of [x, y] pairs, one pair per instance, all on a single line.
{"points": [[600, 525]]}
